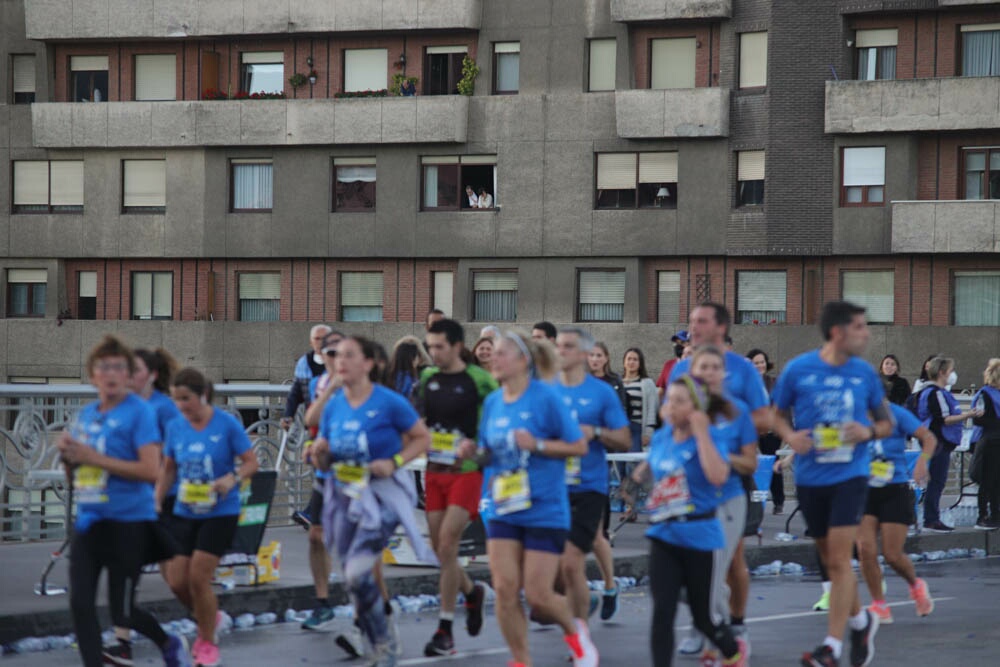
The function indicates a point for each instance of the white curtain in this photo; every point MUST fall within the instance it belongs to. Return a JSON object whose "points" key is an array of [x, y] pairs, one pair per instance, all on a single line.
{"points": [[981, 53], [508, 72], [977, 299], [253, 186]]}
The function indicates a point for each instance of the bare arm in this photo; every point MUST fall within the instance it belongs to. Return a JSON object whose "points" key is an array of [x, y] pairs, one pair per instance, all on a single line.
{"points": [[745, 463], [416, 442], [799, 441], [248, 466], [763, 419], [716, 469], [556, 449], [315, 409], [168, 473], [614, 440]]}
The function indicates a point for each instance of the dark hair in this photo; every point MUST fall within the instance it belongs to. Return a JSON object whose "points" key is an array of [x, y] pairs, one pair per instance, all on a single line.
{"points": [[547, 328], [194, 381], [923, 369], [837, 314], [433, 311], [643, 373], [754, 352], [404, 360], [711, 404], [604, 348], [452, 330], [162, 363], [110, 346], [328, 339], [722, 316], [889, 356]]}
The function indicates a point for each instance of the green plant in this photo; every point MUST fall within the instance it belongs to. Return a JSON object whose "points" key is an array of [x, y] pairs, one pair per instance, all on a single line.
{"points": [[401, 80], [297, 79], [470, 70]]}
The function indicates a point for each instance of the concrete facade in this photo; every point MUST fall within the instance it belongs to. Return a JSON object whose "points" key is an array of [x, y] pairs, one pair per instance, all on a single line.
{"points": [[662, 10], [671, 114], [946, 226]]}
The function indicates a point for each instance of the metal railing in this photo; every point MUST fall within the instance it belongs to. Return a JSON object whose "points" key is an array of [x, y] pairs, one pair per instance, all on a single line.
{"points": [[32, 507]]}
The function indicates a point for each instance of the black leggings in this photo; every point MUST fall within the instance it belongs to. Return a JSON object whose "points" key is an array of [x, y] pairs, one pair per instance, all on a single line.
{"points": [[989, 487], [119, 548], [770, 444], [670, 568]]}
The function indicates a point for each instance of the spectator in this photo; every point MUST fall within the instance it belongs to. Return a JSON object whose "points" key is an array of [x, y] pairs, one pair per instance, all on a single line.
{"points": [[897, 389], [485, 199], [482, 352], [543, 331], [729, 341], [409, 358], [987, 402], [680, 341], [432, 317], [769, 443], [643, 401], [490, 331], [471, 194], [924, 380], [309, 366], [599, 361]]}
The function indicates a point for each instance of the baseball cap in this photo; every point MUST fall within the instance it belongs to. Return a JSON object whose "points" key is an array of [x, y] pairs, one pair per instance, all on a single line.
{"points": [[681, 336]]}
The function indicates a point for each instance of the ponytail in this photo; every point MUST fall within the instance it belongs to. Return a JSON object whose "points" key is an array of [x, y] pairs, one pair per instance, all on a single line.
{"points": [[704, 400], [541, 355], [162, 363]]}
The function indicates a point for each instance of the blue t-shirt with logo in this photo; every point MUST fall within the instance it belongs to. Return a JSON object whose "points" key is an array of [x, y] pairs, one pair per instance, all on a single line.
{"points": [[118, 433], [593, 403], [821, 395], [893, 448], [667, 456], [742, 381], [370, 431], [731, 435], [541, 412], [206, 455], [166, 411]]}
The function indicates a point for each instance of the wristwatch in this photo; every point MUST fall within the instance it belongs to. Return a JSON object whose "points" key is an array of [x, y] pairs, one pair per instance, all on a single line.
{"points": [[539, 445], [598, 432]]}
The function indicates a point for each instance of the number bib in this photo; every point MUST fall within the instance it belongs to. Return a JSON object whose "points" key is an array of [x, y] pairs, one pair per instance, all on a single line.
{"points": [[670, 498], [351, 479], [573, 471], [199, 496], [90, 485], [880, 473], [444, 448], [511, 492], [829, 446]]}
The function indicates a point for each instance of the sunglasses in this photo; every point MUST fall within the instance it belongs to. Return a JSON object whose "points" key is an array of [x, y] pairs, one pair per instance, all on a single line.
{"points": [[330, 351]]}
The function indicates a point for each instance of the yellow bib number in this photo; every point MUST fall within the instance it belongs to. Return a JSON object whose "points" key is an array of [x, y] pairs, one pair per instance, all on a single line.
{"points": [[444, 448], [197, 495], [881, 473], [511, 492], [352, 479], [573, 474], [830, 448], [91, 484]]}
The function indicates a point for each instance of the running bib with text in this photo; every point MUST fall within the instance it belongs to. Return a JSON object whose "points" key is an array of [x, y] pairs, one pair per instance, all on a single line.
{"points": [[90, 484], [829, 445], [881, 473], [511, 492], [444, 448], [199, 496], [573, 471], [670, 498], [352, 479]]}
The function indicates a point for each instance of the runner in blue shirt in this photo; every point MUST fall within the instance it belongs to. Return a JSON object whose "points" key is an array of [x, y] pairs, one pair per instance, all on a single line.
{"points": [[112, 457], [605, 426], [823, 401], [200, 453], [689, 466], [526, 435]]}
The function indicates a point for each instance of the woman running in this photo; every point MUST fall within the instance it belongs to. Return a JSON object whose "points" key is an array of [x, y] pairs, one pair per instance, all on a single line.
{"points": [[526, 433], [112, 456], [200, 452]]}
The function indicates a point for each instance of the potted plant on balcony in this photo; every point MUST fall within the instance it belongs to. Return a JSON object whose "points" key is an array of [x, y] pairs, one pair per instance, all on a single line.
{"points": [[403, 86], [470, 70], [297, 80]]}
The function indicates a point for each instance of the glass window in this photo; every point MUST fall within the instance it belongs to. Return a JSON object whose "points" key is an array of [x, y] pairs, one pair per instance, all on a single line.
{"points": [[152, 295], [443, 69], [366, 69], [864, 176], [156, 77], [262, 72], [494, 296], [874, 291], [753, 60], [443, 283], [982, 173], [506, 67], [361, 297], [260, 297], [602, 296], [44, 186], [671, 63], [636, 180], [89, 78], [760, 297], [977, 298], [354, 184], [981, 50], [86, 306], [750, 178], [253, 188], [144, 186], [668, 297], [466, 182], [603, 58], [26, 292], [876, 53], [23, 78]]}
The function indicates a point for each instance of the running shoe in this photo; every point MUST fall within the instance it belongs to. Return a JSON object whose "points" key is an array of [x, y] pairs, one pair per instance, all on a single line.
{"points": [[205, 654], [921, 595], [119, 653], [583, 650], [595, 603], [823, 604], [742, 634], [882, 610], [741, 659], [175, 653], [821, 657], [302, 519], [320, 619], [609, 604], [441, 643], [779, 510], [986, 524], [351, 642], [938, 527], [863, 642], [474, 609], [710, 658], [691, 645]]}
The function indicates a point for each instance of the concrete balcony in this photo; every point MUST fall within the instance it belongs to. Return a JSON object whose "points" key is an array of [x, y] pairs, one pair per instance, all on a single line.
{"points": [[912, 105], [676, 113], [102, 19], [946, 226], [387, 120], [660, 10]]}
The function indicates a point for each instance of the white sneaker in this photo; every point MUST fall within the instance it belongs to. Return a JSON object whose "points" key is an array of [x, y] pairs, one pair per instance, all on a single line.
{"points": [[692, 645], [588, 656], [351, 642]]}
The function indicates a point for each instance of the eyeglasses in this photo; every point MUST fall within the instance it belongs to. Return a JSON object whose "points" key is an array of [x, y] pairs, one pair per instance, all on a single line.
{"points": [[111, 366], [330, 351]]}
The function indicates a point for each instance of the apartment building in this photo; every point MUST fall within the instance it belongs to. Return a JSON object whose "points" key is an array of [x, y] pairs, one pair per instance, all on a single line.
{"points": [[214, 176]]}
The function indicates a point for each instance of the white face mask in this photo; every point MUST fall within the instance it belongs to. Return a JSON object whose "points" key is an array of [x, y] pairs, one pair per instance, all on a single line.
{"points": [[952, 379]]}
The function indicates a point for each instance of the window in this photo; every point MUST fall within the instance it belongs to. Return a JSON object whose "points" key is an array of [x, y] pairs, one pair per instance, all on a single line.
{"points": [[443, 69], [602, 296], [446, 179], [260, 297], [144, 186], [494, 296], [671, 63], [152, 295], [506, 67], [26, 291], [361, 297], [23, 79], [636, 180], [89, 78], [262, 72], [876, 53], [750, 178], [668, 297], [864, 177], [981, 50], [760, 297], [603, 58], [753, 59], [354, 184], [977, 298], [156, 77], [443, 284], [43, 186], [982, 173], [86, 301], [872, 290], [253, 188], [366, 69]]}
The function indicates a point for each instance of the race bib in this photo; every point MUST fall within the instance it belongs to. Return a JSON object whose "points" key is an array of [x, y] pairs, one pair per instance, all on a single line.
{"points": [[830, 448], [199, 496], [573, 470], [511, 492], [670, 498], [444, 448], [880, 473], [351, 479], [90, 485]]}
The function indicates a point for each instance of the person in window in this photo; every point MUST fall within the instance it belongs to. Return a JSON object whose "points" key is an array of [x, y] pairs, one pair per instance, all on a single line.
{"points": [[897, 389], [485, 199], [471, 194]]}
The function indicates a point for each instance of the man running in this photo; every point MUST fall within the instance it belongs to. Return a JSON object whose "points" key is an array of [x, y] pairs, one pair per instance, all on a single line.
{"points": [[449, 397], [823, 399], [604, 423]]}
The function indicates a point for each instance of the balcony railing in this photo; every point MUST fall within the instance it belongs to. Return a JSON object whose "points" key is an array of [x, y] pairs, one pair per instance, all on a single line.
{"points": [[660, 10], [946, 226], [683, 112], [383, 120]]}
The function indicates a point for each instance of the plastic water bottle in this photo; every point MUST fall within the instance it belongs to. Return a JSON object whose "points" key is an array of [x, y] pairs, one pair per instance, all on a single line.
{"points": [[291, 616], [792, 569], [225, 623], [28, 645], [784, 537], [57, 643], [266, 618], [244, 621], [186, 626], [916, 557], [935, 555], [977, 553], [958, 553]]}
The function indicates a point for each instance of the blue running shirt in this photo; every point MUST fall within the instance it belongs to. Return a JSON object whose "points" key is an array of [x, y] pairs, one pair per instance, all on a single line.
{"points": [[742, 381], [370, 431], [893, 449]]}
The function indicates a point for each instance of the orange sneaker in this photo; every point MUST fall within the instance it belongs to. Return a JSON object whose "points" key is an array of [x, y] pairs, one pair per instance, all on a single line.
{"points": [[881, 609], [921, 595]]}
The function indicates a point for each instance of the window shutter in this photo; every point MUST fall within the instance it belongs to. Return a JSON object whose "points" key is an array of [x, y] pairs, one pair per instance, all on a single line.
{"points": [[163, 294], [67, 182], [864, 39], [977, 298], [750, 166], [981, 27], [366, 69], [24, 74], [603, 58], [507, 47], [354, 161], [361, 289], [142, 295], [356, 174], [145, 183], [444, 291], [753, 59], [27, 275], [31, 183], [263, 58], [873, 290], [669, 297], [602, 287], [88, 63], [672, 63], [616, 171], [657, 167], [864, 166], [439, 159], [434, 50], [88, 284], [478, 159], [494, 282], [760, 291], [260, 285], [156, 77]]}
